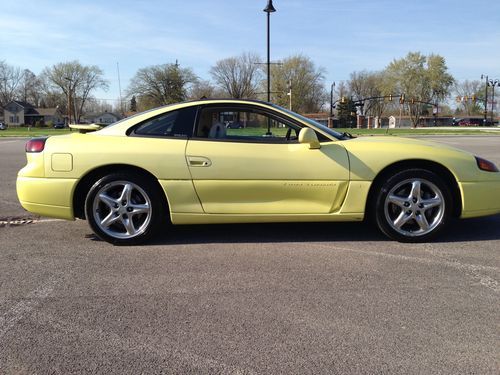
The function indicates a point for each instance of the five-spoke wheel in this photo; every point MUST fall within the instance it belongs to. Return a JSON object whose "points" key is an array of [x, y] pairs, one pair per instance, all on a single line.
{"points": [[124, 209], [412, 205]]}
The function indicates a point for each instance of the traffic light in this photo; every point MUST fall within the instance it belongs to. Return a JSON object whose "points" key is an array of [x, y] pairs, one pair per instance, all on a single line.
{"points": [[466, 98], [343, 100], [402, 99], [473, 98]]}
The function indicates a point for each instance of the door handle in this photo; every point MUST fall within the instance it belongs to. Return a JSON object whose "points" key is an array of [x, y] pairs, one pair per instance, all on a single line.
{"points": [[198, 161]]}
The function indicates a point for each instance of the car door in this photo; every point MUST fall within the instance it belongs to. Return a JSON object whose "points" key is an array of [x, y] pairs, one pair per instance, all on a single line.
{"points": [[260, 168]]}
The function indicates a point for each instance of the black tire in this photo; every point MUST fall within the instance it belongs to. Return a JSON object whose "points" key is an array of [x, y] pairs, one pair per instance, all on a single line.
{"points": [[412, 206], [126, 208]]}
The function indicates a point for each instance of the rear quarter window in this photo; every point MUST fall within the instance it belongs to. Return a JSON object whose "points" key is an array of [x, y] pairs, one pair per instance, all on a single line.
{"points": [[177, 123]]}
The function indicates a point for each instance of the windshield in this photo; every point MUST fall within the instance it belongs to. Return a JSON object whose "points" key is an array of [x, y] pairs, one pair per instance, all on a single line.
{"points": [[312, 122]]}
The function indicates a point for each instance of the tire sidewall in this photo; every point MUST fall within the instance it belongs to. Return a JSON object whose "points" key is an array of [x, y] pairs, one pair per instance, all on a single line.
{"points": [[385, 188], [158, 208]]}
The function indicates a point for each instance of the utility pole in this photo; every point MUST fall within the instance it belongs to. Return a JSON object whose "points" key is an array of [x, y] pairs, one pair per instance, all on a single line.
{"points": [[485, 99], [289, 93]]}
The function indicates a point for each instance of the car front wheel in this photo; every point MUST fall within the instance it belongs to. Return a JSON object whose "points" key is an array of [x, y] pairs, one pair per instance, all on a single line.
{"points": [[413, 206], [125, 209]]}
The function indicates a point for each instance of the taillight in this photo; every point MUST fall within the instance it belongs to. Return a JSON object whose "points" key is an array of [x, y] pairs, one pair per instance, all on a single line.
{"points": [[35, 145], [486, 165]]}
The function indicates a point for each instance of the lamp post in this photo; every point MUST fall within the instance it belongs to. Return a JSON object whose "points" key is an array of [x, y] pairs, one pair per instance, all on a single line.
{"points": [[331, 99], [485, 98], [269, 9], [493, 83], [330, 120]]}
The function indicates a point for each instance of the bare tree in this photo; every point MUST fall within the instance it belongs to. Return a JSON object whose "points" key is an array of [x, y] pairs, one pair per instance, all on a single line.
{"points": [[468, 91], [30, 88], [204, 89], [161, 84], [238, 77], [97, 106], [10, 79], [365, 85], [305, 80], [76, 81]]}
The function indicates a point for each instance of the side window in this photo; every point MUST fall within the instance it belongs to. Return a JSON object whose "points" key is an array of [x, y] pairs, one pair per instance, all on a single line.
{"points": [[245, 125], [177, 123]]}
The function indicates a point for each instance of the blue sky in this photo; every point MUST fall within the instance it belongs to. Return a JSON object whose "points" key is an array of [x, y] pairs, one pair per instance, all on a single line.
{"points": [[340, 35]]}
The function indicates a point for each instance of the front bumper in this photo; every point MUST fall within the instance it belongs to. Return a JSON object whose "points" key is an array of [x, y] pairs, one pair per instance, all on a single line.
{"points": [[480, 198], [47, 196]]}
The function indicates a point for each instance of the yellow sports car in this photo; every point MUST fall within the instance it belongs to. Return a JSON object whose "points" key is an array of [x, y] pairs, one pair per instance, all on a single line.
{"points": [[237, 161]]}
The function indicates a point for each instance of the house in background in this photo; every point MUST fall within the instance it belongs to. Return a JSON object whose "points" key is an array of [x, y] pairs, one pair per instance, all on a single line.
{"points": [[104, 118], [18, 113]]}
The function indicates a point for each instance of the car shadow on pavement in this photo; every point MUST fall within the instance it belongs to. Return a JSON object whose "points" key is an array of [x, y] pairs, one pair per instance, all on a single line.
{"points": [[269, 232], [479, 229]]}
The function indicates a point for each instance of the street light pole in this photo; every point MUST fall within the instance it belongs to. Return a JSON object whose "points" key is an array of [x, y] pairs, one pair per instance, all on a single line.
{"points": [[485, 99], [493, 83], [331, 99], [330, 120], [269, 9]]}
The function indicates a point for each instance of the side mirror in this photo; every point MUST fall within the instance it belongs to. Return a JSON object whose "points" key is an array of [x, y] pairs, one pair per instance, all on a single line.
{"points": [[307, 135]]}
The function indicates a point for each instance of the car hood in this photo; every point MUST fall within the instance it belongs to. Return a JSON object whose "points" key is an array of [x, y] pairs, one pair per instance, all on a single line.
{"points": [[391, 141], [369, 155]]}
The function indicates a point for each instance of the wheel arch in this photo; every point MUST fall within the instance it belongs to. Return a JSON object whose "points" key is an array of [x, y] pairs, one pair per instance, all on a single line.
{"points": [[93, 175], [432, 166]]}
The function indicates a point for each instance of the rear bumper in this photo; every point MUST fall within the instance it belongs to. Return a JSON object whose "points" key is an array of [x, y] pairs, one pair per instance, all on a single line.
{"points": [[47, 196], [480, 198]]}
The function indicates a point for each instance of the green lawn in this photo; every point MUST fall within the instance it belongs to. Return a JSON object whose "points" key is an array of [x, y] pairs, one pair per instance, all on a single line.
{"points": [[420, 131], [31, 132], [36, 132]]}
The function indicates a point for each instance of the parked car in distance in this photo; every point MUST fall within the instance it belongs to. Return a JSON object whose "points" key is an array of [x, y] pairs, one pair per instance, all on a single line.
{"points": [[59, 125], [3, 126], [471, 122], [234, 125]]}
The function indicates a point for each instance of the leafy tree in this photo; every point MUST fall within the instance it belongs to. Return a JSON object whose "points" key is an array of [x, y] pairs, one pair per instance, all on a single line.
{"points": [[133, 104], [238, 77], [421, 78], [76, 81], [346, 112], [307, 83], [161, 84]]}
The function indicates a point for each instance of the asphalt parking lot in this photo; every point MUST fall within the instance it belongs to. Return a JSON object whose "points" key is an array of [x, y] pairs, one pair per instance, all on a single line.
{"points": [[247, 299]]}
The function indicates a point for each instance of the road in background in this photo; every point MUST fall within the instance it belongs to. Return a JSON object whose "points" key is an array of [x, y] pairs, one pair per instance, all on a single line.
{"points": [[248, 299]]}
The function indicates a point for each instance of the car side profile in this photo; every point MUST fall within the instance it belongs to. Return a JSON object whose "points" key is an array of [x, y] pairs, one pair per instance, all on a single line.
{"points": [[181, 164]]}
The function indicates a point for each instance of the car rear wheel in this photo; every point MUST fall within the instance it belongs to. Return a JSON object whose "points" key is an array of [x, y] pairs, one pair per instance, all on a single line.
{"points": [[413, 206], [125, 209]]}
